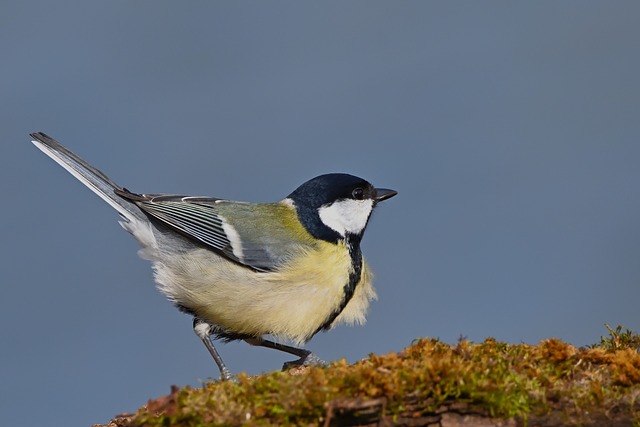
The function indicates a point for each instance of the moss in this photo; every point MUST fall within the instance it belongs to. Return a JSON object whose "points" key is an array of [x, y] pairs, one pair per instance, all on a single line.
{"points": [[492, 377], [619, 339]]}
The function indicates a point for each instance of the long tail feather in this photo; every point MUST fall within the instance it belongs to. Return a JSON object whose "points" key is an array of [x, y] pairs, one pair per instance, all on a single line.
{"points": [[97, 181]]}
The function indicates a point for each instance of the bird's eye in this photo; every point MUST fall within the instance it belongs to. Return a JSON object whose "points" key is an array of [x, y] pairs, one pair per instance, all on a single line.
{"points": [[358, 193]]}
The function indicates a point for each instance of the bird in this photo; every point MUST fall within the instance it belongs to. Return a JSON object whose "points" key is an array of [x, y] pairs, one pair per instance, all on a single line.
{"points": [[248, 271]]}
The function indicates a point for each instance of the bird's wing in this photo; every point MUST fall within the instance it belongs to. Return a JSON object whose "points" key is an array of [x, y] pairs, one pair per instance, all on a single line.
{"points": [[245, 233]]}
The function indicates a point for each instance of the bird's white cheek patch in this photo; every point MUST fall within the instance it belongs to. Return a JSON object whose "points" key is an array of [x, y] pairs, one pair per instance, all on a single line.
{"points": [[346, 216]]}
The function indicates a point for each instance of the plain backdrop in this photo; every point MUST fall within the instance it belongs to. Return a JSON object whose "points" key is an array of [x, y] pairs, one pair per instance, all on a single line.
{"points": [[510, 130]]}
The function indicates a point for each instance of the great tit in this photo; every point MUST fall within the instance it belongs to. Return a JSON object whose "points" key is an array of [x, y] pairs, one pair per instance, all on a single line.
{"points": [[245, 270]]}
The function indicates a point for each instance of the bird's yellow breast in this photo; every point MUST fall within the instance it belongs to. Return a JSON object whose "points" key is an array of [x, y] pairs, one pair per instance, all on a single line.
{"points": [[291, 302]]}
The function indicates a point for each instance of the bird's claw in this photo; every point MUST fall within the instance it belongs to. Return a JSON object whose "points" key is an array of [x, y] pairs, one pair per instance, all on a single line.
{"points": [[309, 360]]}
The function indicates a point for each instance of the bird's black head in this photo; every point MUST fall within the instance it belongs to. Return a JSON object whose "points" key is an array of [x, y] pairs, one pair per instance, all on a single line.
{"points": [[337, 206]]}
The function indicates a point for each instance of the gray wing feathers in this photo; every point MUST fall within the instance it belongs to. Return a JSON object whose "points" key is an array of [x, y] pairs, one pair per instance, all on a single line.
{"points": [[197, 221], [97, 181], [203, 219], [248, 240]]}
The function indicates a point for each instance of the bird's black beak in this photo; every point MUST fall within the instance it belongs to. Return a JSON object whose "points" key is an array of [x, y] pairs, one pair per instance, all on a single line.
{"points": [[384, 194]]}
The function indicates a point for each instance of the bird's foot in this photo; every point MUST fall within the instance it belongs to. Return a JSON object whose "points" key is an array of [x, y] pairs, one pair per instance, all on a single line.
{"points": [[310, 359], [225, 375]]}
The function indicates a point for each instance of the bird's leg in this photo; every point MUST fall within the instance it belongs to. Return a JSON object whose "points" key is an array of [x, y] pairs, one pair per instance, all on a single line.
{"points": [[307, 358], [203, 331]]}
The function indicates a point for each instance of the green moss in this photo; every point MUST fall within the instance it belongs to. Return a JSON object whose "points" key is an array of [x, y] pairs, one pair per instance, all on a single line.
{"points": [[492, 377], [619, 339]]}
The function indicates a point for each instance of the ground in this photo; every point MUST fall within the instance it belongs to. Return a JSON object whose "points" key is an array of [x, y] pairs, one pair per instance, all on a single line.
{"points": [[430, 383]]}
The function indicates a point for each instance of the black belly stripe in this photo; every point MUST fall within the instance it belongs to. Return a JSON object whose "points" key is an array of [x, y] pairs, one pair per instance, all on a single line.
{"points": [[353, 246]]}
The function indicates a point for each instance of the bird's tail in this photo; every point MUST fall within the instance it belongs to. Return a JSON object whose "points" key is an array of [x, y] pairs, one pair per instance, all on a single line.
{"points": [[97, 181]]}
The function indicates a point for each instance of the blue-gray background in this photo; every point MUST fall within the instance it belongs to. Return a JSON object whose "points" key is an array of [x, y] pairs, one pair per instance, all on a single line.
{"points": [[510, 130]]}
